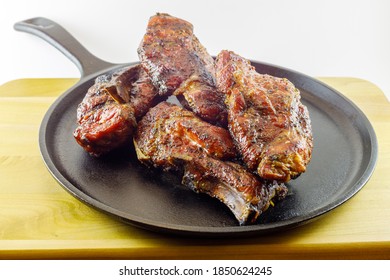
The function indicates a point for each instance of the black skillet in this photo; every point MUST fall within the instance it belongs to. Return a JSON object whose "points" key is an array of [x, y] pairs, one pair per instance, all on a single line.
{"points": [[344, 156]]}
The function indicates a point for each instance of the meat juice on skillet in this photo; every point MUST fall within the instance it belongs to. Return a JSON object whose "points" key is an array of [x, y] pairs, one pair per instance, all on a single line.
{"points": [[270, 125], [178, 64], [108, 114], [172, 138]]}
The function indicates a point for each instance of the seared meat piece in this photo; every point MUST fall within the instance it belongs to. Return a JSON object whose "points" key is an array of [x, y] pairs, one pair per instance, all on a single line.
{"points": [[108, 113], [240, 190], [178, 64], [168, 132], [172, 138], [204, 100], [270, 125], [133, 85]]}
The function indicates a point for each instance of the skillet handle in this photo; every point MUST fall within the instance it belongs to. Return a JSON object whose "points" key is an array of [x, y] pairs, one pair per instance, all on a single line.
{"points": [[60, 38]]}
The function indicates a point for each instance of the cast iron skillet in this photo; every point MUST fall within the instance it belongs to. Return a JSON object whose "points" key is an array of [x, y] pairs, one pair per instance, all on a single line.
{"points": [[344, 156]]}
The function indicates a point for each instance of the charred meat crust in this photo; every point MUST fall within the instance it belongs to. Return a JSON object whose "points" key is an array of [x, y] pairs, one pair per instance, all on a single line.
{"points": [[172, 138], [178, 64], [108, 114], [269, 124]]}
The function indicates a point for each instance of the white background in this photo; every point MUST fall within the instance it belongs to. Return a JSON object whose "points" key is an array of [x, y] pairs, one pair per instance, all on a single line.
{"points": [[319, 38]]}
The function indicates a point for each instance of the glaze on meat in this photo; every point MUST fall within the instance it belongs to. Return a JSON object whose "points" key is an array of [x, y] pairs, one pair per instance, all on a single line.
{"points": [[178, 64], [172, 138], [270, 125], [108, 114]]}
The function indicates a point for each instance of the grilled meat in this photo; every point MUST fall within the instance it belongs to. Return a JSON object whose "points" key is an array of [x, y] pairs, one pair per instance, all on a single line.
{"points": [[133, 85], [270, 125], [268, 131], [108, 114], [169, 132], [173, 138], [241, 191], [178, 64]]}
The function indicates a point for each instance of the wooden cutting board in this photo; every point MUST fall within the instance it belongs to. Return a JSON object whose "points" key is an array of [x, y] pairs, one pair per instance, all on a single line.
{"points": [[40, 220]]}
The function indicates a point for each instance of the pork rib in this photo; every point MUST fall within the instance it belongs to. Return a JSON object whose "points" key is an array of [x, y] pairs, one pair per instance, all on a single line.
{"points": [[172, 138], [108, 114], [270, 125], [178, 64]]}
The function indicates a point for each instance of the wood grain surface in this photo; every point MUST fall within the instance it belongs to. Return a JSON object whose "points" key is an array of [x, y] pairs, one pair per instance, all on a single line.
{"points": [[40, 220]]}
